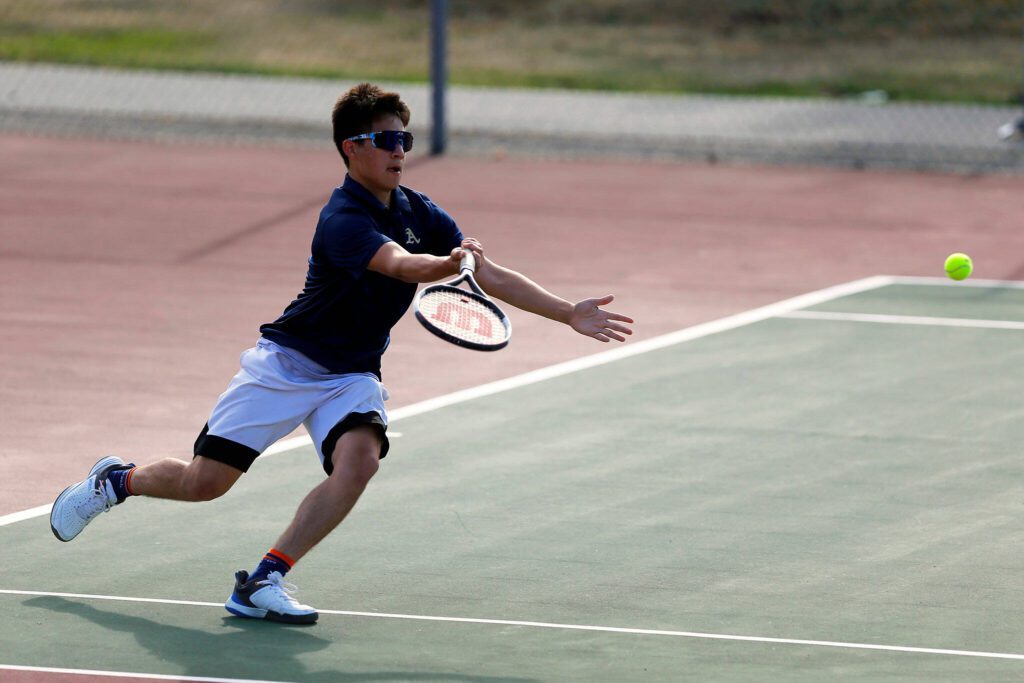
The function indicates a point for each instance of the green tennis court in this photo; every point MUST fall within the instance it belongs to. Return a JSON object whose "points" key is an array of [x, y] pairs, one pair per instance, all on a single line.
{"points": [[784, 495]]}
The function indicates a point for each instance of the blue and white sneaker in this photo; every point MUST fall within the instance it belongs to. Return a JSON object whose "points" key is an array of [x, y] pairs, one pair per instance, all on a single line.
{"points": [[268, 599], [80, 503]]}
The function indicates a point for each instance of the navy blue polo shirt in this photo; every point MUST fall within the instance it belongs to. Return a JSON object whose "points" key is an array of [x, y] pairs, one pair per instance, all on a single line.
{"points": [[344, 315]]}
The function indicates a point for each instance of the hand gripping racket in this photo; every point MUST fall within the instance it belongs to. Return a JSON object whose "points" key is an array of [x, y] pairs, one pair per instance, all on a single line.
{"points": [[461, 317]]}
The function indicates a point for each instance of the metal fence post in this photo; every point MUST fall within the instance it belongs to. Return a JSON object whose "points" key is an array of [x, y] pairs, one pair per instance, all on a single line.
{"points": [[438, 74]]}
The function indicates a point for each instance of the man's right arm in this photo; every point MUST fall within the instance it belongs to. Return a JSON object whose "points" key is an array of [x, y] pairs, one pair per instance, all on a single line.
{"points": [[394, 261]]}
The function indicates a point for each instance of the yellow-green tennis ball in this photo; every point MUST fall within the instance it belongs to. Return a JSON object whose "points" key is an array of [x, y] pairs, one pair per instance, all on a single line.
{"points": [[959, 266]]}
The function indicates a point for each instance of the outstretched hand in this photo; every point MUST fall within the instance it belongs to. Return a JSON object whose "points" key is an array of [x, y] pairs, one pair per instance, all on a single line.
{"points": [[587, 318]]}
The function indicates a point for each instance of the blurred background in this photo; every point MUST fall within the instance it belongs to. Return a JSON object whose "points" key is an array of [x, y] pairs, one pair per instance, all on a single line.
{"points": [[910, 83], [931, 50]]}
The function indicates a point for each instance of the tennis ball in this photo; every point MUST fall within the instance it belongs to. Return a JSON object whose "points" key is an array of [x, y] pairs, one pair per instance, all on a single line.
{"points": [[958, 266]]}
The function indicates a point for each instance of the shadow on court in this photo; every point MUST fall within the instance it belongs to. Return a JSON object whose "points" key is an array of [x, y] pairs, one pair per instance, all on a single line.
{"points": [[245, 649]]}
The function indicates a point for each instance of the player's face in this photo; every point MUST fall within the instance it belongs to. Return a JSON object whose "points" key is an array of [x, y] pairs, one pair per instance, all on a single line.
{"points": [[378, 170]]}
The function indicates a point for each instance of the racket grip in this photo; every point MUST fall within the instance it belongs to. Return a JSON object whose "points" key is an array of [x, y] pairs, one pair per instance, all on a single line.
{"points": [[468, 262]]}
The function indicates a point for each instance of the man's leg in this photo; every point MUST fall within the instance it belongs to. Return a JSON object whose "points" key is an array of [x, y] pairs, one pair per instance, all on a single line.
{"points": [[264, 595], [356, 458], [110, 481], [201, 479]]}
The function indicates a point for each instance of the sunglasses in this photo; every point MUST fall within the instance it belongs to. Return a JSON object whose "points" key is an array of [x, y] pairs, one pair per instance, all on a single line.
{"points": [[387, 139]]}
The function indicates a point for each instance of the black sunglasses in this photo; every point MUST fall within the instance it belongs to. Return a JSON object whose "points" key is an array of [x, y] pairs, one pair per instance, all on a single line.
{"points": [[387, 139]]}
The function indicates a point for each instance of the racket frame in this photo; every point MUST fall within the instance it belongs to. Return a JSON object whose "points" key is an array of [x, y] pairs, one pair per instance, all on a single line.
{"points": [[466, 269]]}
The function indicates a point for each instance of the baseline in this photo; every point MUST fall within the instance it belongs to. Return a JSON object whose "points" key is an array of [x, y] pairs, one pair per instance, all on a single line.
{"points": [[946, 282], [905, 320]]}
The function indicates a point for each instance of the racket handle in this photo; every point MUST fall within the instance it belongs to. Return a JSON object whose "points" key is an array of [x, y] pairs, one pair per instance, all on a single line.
{"points": [[468, 262]]}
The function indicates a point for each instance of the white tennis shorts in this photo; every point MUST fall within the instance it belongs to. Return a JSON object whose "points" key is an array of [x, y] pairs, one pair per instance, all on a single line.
{"points": [[276, 390]]}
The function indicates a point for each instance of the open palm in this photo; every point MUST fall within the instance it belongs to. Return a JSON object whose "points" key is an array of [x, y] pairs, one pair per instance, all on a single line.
{"points": [[588, 318]]}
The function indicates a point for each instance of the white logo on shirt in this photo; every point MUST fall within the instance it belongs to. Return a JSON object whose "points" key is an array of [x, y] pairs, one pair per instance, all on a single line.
{"points": [[410, 237]]}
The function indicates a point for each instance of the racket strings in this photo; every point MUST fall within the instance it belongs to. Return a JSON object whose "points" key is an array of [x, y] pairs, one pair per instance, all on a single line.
{"points": [[460, 314]]}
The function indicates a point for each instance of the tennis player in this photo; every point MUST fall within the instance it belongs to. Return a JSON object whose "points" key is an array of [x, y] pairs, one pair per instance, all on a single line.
{"points": [[319, 363]]}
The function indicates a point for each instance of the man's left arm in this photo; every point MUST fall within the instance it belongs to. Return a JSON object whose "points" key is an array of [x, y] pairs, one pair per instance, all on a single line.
{"points": [[586, 316]]}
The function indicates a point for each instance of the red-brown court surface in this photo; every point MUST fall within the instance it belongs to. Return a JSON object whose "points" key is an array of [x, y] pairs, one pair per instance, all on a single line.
{"points": [[132, 275]]}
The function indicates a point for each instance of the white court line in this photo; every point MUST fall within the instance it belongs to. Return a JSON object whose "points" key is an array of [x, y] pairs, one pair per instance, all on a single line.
{"points": [[122, 674], [687, 334], [946, 282], [905, 320], [26, 514], [568, 627]]}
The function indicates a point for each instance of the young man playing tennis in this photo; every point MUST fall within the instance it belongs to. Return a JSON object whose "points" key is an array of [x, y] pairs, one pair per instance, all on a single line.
{"points": [[319, 363]]}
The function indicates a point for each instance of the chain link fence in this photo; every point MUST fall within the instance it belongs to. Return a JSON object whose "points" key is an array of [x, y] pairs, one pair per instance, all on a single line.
{"points": [[933, 84]]}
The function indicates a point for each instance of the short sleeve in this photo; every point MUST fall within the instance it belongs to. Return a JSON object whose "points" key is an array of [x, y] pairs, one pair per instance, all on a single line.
{"points": [[446, 232], [349, 241]]}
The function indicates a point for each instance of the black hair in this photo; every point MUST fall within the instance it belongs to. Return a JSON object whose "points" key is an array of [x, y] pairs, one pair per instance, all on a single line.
{"points": [[356, 110]]}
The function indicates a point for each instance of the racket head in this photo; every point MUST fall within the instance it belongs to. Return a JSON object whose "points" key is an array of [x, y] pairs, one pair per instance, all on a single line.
{"points": [[463, 318]]}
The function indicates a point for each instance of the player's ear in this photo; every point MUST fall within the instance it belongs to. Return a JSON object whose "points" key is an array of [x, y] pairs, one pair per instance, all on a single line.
{"points": [[352, 147]]}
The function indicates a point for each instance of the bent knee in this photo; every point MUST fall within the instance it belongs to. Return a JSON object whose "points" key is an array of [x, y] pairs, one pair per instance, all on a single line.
{"points": [[208, 491], [204, 489], [207, 481], [359, 470], [369, 466], [357, 463]]}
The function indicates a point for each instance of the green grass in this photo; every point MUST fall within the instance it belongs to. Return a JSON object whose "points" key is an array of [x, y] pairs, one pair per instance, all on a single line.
{"points": [[116, 47], [925, 50]]}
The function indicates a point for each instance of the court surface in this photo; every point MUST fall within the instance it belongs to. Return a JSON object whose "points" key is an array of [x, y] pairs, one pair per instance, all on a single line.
{"points": [[830, 486]]}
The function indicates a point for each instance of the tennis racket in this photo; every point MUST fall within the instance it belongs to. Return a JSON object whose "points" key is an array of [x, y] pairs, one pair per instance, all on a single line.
{"points": [[465, 318]]}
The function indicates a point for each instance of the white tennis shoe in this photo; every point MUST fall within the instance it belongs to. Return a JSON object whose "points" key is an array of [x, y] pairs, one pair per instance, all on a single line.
{"points": [[80, 503], [268, 599]]}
